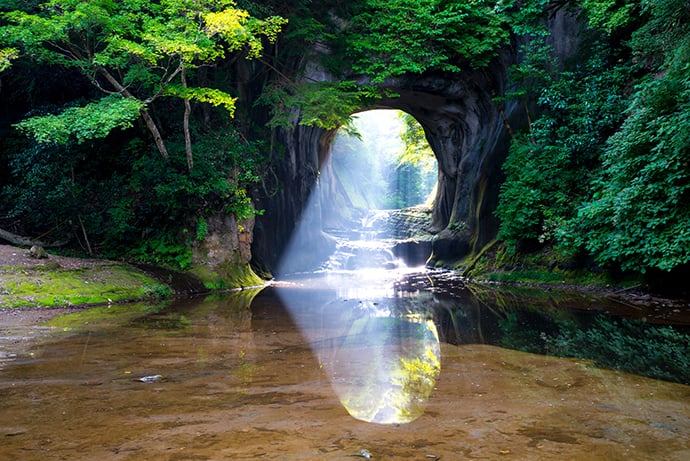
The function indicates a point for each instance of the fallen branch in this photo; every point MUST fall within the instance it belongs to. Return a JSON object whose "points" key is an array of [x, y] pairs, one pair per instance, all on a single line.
{"points": [[27, 241]]}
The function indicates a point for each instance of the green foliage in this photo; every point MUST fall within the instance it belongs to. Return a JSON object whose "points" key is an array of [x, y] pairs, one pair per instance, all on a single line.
{"points": [[327, 105], [141, 207], [239, 29], [139, 58], [604, 169], [380, 39], [92, 121], [608, 15], [639, 214], [375, 169], [414, 175], [405, 186], [549, 165], [201, 228], [211, 96], [163, 194], [45, 196], [392, 37], [416, 150], [139, 50], [6, 56]]}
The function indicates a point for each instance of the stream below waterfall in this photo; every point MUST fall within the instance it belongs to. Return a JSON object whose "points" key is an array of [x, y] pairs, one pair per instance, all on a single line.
{"points": [[367, 359]]}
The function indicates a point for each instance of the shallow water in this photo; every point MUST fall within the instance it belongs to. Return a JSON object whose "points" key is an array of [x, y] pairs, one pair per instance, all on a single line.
{"points": [[288, 372]]}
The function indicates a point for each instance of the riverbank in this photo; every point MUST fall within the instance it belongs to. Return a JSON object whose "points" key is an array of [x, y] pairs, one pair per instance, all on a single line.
{"points": [[60, 281], [57, 284]]}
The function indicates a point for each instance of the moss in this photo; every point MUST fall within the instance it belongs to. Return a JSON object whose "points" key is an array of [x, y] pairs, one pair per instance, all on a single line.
{"points": [[227, 276], [96, 284], [547, 266], [410, 223]]}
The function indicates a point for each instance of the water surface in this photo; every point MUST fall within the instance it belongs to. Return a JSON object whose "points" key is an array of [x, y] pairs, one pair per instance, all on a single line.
{"points": [[297, 371]]}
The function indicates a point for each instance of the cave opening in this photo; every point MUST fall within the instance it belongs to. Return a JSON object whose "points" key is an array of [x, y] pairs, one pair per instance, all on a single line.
{"points": [[371, 204], [381, 161]]}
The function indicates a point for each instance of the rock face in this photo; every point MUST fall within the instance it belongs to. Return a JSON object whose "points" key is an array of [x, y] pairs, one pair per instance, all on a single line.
{"points": [[221, 259], [465, 129], [468, 131]]}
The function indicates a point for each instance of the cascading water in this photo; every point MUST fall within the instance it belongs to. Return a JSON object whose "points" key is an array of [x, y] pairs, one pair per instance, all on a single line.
{"points": [[366, 247]]}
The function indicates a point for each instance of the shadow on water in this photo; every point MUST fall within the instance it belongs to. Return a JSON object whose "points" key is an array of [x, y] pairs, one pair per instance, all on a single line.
{"points": [[649, 340]]}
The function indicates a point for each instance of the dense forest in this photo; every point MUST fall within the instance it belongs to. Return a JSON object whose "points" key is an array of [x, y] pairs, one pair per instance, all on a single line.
{"points": [[125, 125]]}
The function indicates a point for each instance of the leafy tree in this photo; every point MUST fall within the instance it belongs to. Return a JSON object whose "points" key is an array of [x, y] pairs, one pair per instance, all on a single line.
{"points": [[550, 166], [416, 149], [327, 105], [639, 215], [119, 203], [388, 38], [6, 55], [604, 167], [417, 157], [134, 52], [608, 15]]}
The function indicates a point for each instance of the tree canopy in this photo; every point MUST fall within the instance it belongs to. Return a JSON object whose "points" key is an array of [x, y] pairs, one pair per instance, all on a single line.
{"points": [[133, 52], [86, 171], [601, 171]]}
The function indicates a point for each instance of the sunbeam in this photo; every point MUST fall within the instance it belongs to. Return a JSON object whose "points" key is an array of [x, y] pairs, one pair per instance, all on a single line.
{"points": [[378, 344]]}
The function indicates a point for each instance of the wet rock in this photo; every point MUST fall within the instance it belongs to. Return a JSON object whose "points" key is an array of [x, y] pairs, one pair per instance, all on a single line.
{"points": [[151, 379], [413, 252], [38, 252]]}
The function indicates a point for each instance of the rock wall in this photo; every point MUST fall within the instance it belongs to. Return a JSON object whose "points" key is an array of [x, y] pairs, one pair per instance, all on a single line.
{"points": [[468, 131], [221, 259], [286, 203]]}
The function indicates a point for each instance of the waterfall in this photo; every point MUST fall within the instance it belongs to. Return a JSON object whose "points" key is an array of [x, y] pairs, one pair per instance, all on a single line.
{"points": [[367, 247]]}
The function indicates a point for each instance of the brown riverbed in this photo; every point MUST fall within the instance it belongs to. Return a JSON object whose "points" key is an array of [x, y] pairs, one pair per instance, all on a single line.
{"points": [[243, 383]]}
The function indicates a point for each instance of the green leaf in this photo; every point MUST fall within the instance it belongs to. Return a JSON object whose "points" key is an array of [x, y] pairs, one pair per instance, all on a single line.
{"points": [[93, 121], [6, 56]]}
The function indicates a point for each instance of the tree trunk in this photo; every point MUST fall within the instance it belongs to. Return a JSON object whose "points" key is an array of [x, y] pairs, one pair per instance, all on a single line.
{"points": [[153, 128], [26, 241], [185, 124], [150, 123]]}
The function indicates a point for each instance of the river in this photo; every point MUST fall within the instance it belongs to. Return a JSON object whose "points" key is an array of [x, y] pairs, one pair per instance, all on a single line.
{"points": [[336, 365]]}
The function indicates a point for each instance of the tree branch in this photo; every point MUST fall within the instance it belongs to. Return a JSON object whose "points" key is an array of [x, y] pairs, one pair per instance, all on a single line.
{"points": [[150, 123]]}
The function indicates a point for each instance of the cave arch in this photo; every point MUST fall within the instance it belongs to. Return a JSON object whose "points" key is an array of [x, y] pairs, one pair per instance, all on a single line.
{"points": [[467, 127], [469, 133]]}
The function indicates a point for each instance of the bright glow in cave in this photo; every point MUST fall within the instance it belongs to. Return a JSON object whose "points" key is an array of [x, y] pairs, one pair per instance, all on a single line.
{"points": [[379, 346]]}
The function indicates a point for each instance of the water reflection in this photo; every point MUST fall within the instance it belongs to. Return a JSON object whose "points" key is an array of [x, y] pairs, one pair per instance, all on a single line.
{"points": [[240, 382], [380, 349]]}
